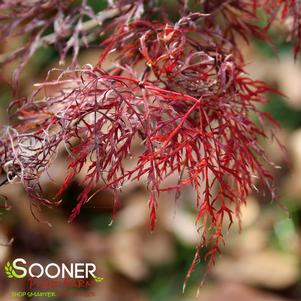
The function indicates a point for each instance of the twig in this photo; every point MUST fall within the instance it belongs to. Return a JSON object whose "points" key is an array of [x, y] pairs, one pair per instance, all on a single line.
{"points": [[86, 27]]}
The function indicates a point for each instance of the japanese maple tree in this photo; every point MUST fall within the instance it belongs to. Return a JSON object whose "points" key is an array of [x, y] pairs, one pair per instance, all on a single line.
{"points": [[176, 86]]}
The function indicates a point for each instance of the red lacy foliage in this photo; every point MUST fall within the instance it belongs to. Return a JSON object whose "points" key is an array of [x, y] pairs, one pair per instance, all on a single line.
{"points": [[178, 88], [34, 19], [289, 11]]}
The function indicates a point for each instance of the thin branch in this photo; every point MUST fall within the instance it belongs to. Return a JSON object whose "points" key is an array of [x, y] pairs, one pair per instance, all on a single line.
{"points": [[87, 26]]}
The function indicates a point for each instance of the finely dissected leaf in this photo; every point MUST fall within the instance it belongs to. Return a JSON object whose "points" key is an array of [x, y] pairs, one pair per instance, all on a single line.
{"points": [[35, 19]]}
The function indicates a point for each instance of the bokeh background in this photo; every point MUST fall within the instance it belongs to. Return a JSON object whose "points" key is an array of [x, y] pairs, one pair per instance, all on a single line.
{"points": [[262, 262]]}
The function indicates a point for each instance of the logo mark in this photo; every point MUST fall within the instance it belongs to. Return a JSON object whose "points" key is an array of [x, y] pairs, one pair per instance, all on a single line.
{"points": [[98, 279], [10, 272]]}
